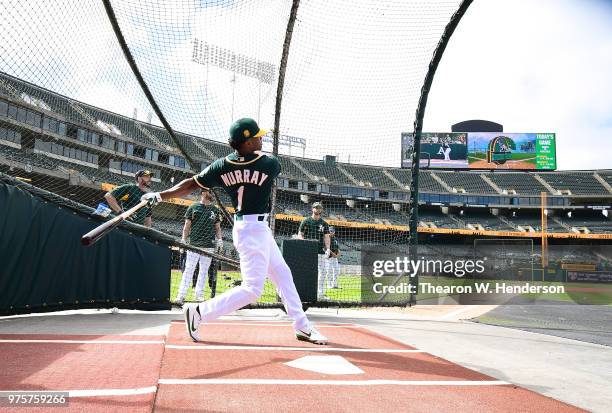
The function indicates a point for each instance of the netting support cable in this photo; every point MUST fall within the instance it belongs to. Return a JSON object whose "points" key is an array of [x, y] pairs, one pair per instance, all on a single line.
{"points": [[418, 129], [130, 59], [279, 98], [226, 214]]}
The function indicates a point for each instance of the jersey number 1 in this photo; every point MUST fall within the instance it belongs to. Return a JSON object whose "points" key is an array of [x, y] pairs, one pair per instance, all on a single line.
{"points": [[240, 194]]}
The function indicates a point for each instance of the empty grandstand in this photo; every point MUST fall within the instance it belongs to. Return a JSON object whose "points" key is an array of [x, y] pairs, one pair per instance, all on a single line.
{"points": [[63, 144]]}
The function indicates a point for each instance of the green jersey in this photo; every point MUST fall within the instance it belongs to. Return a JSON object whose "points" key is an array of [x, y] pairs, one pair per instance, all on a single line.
{"points": [[333, 245], [203, 219], [247, 180], [315, 229], [129, 195]]}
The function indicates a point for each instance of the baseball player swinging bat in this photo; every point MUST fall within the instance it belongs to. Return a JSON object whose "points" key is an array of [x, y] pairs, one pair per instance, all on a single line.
{"points": [[98, 232], [247, 177]]}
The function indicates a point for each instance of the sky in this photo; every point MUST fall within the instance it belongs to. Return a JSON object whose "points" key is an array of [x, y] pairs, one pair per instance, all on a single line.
{"points": [[355, 68], [532, 66], [352, 81]]}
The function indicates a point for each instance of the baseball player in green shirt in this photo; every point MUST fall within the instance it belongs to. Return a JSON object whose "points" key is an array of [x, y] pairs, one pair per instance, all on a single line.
{"points": [[202, 226], [126, 196], [247, 176], [315, 227]]}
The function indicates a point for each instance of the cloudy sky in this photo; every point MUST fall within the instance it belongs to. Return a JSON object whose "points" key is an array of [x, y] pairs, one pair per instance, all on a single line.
{"points": [[355, 71], [533, 66], [355, 68]]}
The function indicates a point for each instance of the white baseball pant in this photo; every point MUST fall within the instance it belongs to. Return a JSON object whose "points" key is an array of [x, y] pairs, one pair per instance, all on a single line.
{"points": [[333, 270], [190, 263], [259, 257], [322, 274], [447, 152]]}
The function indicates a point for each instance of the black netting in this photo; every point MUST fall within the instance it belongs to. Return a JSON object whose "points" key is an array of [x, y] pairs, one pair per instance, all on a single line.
{"points": [[75, 121]]}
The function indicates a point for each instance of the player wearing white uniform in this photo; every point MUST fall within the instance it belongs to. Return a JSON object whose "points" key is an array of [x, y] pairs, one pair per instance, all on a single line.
{"points": [[333, 268], [202, 223], [445, 150], [247, 177]]}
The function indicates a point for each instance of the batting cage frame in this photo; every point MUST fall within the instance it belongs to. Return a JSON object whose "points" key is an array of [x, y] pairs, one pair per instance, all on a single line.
{"points": [[397, 235], [418, 130]]}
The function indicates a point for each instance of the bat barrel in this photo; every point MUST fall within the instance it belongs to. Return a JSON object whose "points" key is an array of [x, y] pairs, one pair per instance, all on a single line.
{"points": [[98, 232]]}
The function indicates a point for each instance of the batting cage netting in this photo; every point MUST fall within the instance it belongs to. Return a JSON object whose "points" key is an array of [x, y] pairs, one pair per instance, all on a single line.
{"points": [[91, 93]]}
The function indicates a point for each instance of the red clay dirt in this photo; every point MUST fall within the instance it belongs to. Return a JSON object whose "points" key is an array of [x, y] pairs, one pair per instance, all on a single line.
{"points": [[263, 349], [82, 366], [193, 362]]}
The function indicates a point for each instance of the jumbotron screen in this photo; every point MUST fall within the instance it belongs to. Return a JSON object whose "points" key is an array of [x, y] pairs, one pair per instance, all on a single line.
{"points": [[483, 150]]}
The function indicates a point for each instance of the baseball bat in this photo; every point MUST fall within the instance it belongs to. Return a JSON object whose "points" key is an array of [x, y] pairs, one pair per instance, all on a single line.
{"points": [[101, 230]]}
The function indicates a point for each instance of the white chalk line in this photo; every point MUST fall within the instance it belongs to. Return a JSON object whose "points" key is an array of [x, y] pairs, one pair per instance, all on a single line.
{"points": [[59, 341], [278, 348], [334, 382], [92, 392], [268, 324]]}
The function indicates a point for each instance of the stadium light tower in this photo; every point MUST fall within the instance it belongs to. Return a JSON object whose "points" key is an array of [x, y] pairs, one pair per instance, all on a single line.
{"points": [[206, 54]]}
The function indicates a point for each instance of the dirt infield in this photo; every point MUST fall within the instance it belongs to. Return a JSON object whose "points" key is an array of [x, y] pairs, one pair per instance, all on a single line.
{"points": [[246, 366], [508, 165], [250, 360]]}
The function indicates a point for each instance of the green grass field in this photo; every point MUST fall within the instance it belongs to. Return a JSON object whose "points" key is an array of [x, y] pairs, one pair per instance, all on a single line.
{"points": [[579, 293], [350, 290], [268, 296], [602, 295]]}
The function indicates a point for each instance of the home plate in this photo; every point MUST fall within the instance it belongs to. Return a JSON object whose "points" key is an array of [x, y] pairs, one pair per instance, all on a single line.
{"points": [[325, 365]]}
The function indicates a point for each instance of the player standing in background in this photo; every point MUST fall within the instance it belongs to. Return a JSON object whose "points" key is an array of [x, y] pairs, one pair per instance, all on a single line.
{"points": [[126, 196], [445, 150], [202, 225], [247, 176], [212, 273], [315, 227], [333, 268]]}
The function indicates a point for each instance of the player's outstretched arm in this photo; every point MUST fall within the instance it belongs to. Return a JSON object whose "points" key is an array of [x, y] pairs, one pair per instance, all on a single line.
{"points": [[218, 237], [300, 233], [327, 243], [186, 230], [179, 190], [112, 202], [183, 188]]}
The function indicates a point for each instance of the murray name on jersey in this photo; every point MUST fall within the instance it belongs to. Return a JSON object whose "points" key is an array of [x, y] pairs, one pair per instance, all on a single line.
{"points": [[248, 180], [245, 176]]}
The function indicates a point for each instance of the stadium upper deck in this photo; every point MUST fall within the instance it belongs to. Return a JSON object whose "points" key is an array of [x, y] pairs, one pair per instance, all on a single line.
{"points": [[57, 136]]}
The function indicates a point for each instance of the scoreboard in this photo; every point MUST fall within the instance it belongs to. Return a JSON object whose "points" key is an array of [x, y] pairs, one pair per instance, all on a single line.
{"points": [[483, 150]]}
